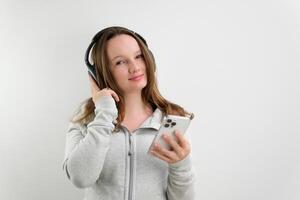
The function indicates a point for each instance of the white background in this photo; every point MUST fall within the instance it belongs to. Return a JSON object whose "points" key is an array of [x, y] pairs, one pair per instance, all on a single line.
{"points": [[235, 64]]}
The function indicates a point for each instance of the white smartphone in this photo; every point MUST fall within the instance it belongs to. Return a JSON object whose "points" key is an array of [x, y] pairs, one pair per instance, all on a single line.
{"points": [[169, 125]]}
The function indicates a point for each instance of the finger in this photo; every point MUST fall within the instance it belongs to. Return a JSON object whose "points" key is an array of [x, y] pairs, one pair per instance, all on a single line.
{"points": [[161, 156], [114, 94], [164, 152], [181, 140], [173, 143]]}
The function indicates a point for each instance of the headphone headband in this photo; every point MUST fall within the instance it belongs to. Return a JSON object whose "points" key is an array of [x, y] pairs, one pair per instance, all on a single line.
{"points": [[96, 38]]}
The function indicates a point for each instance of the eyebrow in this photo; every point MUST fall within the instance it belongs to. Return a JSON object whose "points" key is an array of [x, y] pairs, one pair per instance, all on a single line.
{"points": [[121, 56]]}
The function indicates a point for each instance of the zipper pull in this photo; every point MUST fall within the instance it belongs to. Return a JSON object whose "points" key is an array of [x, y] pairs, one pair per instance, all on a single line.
{"points": [[129, 152], [130, 144]]}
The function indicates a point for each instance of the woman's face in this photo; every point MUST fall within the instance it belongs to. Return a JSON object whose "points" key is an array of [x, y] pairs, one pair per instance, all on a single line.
{"points": [[127, 63]]}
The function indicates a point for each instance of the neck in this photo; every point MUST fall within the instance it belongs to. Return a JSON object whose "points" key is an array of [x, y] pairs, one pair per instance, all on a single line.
{"points": [[135, 107]]}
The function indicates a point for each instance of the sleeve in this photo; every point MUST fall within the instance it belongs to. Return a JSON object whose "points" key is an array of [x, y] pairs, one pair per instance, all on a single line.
{"points": [[85, 154], [181, 180]]}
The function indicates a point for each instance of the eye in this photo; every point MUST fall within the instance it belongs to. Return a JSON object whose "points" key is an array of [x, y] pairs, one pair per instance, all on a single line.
{"points": [[140, 56], [119, 62]]}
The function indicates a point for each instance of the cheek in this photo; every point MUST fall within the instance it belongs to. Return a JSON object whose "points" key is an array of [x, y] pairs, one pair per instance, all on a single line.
{"points": [[145, 72], [120, 76]]}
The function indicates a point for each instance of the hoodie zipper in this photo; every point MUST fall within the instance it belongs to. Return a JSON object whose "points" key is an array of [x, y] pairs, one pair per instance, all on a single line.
{"points": [[130, 153]]}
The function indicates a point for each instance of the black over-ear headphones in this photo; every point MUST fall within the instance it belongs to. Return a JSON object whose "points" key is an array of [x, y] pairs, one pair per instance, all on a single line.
{"points": [[91, 67]]}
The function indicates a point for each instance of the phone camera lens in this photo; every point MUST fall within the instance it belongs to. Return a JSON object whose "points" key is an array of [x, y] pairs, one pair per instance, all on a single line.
{"points": [[167, 125], [173, 123], [169, 120]]}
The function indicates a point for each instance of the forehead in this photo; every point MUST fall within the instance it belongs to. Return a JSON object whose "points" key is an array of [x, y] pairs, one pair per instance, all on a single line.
{"points": [[121, 45]]}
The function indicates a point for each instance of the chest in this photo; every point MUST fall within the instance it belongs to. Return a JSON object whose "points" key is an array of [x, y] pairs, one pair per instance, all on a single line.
{"points": [[131, 147]]}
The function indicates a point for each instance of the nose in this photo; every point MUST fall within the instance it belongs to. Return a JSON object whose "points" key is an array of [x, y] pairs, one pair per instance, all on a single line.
{"points": [[134, 66]]}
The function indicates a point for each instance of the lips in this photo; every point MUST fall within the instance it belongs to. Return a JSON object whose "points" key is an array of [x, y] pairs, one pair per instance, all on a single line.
{"points": [[135, 77]]}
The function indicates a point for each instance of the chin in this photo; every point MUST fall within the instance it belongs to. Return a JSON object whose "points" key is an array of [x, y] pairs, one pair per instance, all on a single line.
{"points": [[136, 88]]}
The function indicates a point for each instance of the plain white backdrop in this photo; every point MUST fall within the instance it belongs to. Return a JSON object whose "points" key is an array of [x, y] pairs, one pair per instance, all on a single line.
{"points": [[235, 64]]}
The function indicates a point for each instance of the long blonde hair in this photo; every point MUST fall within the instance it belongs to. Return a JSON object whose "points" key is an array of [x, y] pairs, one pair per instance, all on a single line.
{"points": [[150, 93]]}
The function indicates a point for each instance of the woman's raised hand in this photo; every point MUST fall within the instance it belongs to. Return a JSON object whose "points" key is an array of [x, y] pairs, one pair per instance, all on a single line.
{"points": [[97, 93]]}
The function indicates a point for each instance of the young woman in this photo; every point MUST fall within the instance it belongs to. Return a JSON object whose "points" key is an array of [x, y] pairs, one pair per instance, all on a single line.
{"points": [[108, 138]]}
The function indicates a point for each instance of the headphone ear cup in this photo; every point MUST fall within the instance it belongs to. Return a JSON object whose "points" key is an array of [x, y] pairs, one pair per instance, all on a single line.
{"points": [[91, 67], [94, 72]]}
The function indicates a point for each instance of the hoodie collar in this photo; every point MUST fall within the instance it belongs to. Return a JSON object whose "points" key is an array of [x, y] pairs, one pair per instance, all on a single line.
{"points": [[153, 121]]}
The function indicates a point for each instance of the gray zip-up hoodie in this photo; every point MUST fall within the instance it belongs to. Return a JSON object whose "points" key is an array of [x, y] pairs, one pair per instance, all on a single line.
{"points": [[117, 166]]}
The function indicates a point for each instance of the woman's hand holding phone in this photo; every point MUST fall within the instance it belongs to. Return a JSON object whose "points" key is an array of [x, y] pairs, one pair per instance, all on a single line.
{"points": [[168, 146], [180, 148], [97, 93]]}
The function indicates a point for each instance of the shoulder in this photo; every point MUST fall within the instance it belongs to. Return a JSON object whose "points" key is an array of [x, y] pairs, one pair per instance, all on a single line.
{"points": [[76, 126]]}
